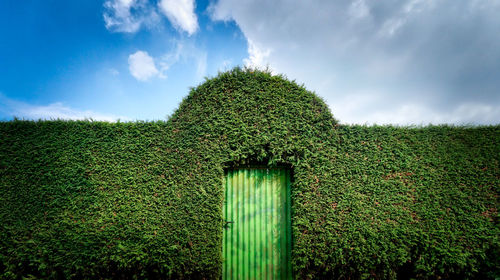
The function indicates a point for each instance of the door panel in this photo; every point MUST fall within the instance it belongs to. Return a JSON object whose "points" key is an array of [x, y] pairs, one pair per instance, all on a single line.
{"points": [[257, 236]]}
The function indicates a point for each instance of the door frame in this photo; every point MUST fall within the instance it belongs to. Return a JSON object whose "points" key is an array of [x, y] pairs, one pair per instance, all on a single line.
{"points": [[284, 245]]}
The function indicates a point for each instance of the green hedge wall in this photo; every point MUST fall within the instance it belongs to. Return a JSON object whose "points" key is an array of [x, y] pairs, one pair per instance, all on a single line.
{"points": [[84, 199]]}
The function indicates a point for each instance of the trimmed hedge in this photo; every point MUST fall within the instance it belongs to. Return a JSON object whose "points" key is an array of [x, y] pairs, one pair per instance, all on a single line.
{"points": [[84, 199]]}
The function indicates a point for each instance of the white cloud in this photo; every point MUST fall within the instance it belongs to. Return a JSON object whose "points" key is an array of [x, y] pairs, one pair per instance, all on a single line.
{"points": [[400, 17], [391, 26], [173, 56], [257, 56], [201, 64], [225, 65], [185, 51], [142, 66], [359, 9], [181, 14], [468, 113], [56, 110], [113, 72], [371, 107], [129, 16], [420, 60]]}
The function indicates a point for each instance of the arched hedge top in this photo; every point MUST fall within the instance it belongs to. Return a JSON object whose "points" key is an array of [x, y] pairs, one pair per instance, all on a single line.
{"points": [[250, 115]]}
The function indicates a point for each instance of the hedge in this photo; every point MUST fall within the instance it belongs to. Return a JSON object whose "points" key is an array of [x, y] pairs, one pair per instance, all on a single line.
{"points": [[86, 199]]}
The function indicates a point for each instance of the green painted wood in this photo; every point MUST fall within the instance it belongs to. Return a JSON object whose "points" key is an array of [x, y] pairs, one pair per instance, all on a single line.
{"points": [[257, 237]]}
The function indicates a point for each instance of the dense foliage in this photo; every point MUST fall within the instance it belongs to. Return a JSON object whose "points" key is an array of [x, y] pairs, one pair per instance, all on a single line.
{"points": [[144, 199]]}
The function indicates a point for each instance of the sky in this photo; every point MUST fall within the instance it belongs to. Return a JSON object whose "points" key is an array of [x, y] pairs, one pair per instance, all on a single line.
{"points": [[401, 62]]}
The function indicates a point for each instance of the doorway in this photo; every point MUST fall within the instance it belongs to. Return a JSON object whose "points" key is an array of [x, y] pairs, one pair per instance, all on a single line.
{"points": [[257, 239]]}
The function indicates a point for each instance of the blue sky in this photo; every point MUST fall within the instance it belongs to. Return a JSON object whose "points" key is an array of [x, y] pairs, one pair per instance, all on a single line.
{"points": [[386, 62]]}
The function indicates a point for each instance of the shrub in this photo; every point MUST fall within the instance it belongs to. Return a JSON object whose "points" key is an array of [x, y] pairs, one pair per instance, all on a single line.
{"points": [[84, 199]]}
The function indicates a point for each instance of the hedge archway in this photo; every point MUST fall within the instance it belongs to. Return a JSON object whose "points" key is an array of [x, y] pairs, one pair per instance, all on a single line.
{"points": [[247, 116]]}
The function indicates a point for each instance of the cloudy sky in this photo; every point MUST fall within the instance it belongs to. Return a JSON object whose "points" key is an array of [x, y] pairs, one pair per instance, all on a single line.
{"points": [[406, 62]]}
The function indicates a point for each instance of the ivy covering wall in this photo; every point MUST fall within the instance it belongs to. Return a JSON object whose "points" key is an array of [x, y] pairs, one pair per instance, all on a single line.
{"points": [[84, 199]]}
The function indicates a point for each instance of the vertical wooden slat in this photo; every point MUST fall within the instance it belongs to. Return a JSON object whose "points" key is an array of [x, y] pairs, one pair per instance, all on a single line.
{"points": [[246, 229], [283, 217], [262, 227], [231, 226], [249, 220], [227, 228], [268, 226], [243, 241], [224, 246], [234, 244], [256, 266], [239, 224], [272, 238], [288, 211]]}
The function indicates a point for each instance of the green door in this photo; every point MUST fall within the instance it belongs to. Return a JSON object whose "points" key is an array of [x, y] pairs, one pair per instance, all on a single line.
{"points": [[257, 236]]}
